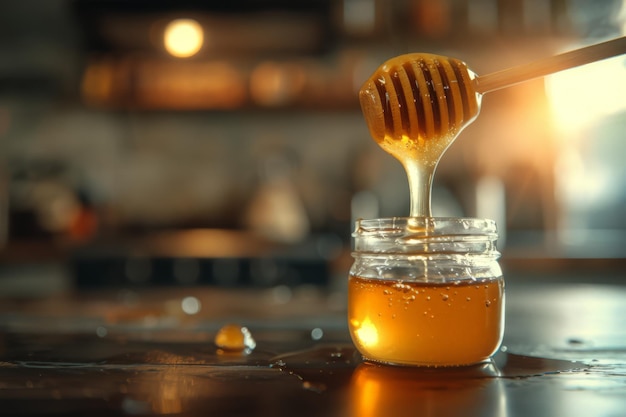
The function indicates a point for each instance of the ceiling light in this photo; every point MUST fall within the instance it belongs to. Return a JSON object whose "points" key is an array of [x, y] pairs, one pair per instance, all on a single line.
{"points": [[183, 38]]}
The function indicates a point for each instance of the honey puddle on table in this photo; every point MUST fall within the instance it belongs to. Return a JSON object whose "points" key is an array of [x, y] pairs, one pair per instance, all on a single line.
{"points": [[324, 360], [138, 378]]}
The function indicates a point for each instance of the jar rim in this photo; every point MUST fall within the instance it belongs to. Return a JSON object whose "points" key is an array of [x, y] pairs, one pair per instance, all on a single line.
{"points": [[432, 226]]}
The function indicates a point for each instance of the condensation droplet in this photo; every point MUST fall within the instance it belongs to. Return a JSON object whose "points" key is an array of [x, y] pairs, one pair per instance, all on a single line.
{"points": [[428, 298], [393, 316], [469, 299], [487, 303], [444, 297]]}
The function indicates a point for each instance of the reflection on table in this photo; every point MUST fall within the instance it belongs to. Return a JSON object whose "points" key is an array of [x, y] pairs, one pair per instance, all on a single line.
{"points": [[108, 353]]}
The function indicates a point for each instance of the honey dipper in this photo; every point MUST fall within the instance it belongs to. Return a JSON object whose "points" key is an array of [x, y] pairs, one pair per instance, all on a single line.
{"points": [[416, 104]]}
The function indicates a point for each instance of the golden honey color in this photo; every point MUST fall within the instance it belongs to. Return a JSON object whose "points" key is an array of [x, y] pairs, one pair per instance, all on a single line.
{"points": [[233, 337], [416, 104], [426, 324]]}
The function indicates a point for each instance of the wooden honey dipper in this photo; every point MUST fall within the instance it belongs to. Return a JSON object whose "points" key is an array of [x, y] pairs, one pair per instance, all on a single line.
{"points": [[415, 105]]}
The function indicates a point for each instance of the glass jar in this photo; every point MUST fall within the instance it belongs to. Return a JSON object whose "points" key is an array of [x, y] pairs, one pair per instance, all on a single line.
{"points": [[426, 291]]}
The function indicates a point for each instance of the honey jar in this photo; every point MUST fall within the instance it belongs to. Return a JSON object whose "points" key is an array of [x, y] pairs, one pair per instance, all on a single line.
{"points": [[426, 291]]}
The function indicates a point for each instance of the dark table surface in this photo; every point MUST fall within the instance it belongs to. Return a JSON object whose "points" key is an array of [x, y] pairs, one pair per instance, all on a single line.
{"points": [[136, 353]]}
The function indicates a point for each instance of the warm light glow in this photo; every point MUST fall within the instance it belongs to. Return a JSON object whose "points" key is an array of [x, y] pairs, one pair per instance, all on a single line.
{"points": [[367, 332], [575, 179], [183, 38], [491, 203], [581, 96], [276, 84], [367, 390], [98, 82]]}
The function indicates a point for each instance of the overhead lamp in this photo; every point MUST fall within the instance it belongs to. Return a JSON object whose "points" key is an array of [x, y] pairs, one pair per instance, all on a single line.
{"points": [[183, 38]]}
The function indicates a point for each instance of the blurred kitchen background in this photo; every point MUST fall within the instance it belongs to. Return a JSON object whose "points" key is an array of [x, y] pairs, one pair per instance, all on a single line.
{"points": [[198, 142]]}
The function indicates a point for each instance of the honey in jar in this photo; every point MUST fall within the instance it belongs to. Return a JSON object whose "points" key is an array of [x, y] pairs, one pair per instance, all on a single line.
{"points": [[426, 291]]}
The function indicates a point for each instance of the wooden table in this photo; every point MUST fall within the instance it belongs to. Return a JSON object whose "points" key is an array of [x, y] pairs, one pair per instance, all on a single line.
{"points": [[137, 353]]}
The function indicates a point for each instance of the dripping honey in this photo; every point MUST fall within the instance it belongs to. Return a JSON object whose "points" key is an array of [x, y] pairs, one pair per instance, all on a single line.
{"points": [[415, 105], [429, 324]]}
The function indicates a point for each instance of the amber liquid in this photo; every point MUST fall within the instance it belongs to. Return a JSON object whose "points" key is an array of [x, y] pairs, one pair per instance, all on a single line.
{"points": [[426, 324], [415, 105]]}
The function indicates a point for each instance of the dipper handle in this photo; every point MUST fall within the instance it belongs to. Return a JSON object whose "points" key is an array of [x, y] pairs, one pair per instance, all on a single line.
{"points": [[550, 65]]}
